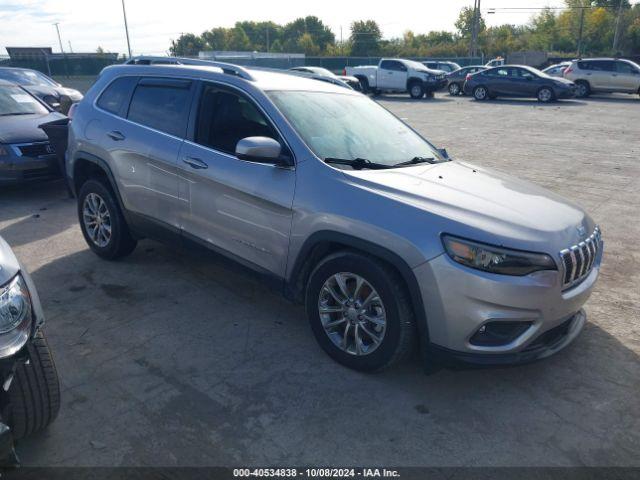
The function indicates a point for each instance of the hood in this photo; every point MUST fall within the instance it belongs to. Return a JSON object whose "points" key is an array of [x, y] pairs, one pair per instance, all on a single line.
{"points": [[563, 81], [24, 128], [9, 265], [42, 91], [481, 204]]}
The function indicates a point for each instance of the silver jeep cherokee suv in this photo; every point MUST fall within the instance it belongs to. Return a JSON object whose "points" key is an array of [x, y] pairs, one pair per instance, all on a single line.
{"points": [[386, 240]]}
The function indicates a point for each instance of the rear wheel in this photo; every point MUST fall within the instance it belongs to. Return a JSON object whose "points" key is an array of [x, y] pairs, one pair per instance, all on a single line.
{"points": [[416, 90], [34, 394], [359, 311], [364, 84], [454, 89], [102, 223], [583, 89], [545, 95], [480, 93]]}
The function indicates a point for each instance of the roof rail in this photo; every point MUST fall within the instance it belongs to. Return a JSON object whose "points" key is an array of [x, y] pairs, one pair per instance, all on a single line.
{"points": [[228, 68]]}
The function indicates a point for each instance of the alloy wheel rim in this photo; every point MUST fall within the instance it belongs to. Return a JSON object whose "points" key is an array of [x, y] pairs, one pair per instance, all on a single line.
{"points": [[352, 314], [480, 93], [454, 88], [415, 90], [545, 95], [97, 219]]}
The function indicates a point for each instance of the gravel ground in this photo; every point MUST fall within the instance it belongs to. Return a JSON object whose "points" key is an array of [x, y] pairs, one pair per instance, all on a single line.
{"points": [[167, 358]]}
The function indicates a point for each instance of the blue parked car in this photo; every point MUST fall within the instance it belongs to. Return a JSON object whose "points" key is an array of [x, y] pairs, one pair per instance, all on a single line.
{"points": [[517, 81]]}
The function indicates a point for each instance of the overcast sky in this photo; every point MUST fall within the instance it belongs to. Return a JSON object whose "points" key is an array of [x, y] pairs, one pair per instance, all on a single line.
{"points": [[88, 24]]}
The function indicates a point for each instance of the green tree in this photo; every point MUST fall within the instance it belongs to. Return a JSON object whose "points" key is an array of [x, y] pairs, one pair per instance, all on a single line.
{"points": [[321, 34], [187, 44], [238, 40], [464, 23], [365, 38], [216, 38]]}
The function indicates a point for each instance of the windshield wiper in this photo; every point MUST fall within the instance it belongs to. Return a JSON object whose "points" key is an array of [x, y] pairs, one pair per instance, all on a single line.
{"points": [[15, 113], [357, 163], [415, 161]]}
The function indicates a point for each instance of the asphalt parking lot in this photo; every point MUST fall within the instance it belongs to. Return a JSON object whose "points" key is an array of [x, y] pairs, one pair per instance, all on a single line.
{"points": [[167, 358]]}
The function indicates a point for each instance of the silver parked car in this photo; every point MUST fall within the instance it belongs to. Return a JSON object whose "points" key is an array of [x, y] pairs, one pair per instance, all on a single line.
{"points": [[604, 75], [340, 204]]}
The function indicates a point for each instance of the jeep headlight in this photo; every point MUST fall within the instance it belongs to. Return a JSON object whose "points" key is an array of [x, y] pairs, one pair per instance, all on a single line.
{"points": [[15, 305], [494, 259], [429, 78]]}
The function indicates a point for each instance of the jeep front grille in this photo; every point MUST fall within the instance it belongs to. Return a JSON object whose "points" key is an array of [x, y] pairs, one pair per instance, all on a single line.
{"points": [[578, 260]]}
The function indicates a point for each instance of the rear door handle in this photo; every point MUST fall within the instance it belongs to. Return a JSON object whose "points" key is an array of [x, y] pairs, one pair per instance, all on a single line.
{"points": [[196, 163], [116, 136]]}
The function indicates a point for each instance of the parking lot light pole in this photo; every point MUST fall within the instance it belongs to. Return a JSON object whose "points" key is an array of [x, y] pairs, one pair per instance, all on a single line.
{"points": [[126, 28]]}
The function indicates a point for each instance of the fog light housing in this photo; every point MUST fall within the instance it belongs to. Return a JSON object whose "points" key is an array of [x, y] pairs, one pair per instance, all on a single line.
{"points": [[499, 333]]}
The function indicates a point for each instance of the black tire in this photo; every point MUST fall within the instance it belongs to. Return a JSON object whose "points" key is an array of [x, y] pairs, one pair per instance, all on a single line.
{"points": [[121, 243], [546, 95], [480, 93], [583, 89], [454, 89], [399, 336], [364, 85], [34, 395], [416, 90]]}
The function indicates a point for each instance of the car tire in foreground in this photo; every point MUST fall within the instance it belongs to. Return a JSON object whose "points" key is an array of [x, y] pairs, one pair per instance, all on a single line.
{"points": [[480, 93], [454, 89], [102, 223], [545, 95], [359, 311], [583, 89], [416, 90], [34, 394]]}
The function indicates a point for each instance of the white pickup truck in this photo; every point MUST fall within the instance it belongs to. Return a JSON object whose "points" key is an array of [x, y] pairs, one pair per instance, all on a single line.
{"points": [[399, 75]]}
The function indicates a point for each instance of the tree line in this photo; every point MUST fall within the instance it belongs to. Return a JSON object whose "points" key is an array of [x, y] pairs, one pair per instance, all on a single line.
{"points": [[590, 23]]}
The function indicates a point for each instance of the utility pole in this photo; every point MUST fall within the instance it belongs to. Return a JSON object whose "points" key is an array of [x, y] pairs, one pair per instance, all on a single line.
{"points": [[267, 38], [126, 28], [341, 42], [582, 9], [70, 48], [59, 38], [475, 27], [616, 36]]}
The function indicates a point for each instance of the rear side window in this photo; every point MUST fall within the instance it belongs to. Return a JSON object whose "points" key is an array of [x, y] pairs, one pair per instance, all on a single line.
{"points": [[598, 65], [162, 104], [393, 65], [116, 95]]}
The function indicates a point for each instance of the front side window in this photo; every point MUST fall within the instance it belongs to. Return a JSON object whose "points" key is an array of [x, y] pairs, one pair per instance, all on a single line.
{"points": [[393, 65], [115, 96], [161, 104], [225, 118], [331, 125], [15, 101]]}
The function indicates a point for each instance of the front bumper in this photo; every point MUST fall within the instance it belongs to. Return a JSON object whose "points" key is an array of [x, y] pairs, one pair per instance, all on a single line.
{"points": [[460, 300], [436, 85], [15, 170]]}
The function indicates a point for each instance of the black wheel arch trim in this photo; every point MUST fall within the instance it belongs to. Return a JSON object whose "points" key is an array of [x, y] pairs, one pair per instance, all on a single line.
{"points": [[104, 166], [293, 285]]}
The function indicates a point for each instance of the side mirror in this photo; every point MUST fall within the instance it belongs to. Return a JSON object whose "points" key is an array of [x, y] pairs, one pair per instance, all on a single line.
{"points": [[443, 153], [261, 150]]}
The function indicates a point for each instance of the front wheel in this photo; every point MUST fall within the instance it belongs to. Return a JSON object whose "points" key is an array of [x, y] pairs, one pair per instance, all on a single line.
{"points": [[34, 394], [416, 90], [359, 311], [454, 89], [545, 95], [480, 93]]}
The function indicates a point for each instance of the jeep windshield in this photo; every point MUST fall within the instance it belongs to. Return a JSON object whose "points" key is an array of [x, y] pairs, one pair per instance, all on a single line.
{"points": [[350, 127]]}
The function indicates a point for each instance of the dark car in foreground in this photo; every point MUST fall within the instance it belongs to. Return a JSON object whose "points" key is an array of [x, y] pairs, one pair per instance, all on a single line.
{"points": [[59, 98], [25, 151], [518, 81], [30, 393], [456, 79]]}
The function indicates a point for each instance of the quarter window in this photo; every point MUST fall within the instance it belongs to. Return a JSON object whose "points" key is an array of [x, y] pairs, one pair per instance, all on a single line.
{"points": [[624, 67], [116, 95], [225, 118], [162, 104]]}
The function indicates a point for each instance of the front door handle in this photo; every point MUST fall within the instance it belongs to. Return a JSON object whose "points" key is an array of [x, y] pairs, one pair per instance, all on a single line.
{"points": [[116, 136], [194, 162]]}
